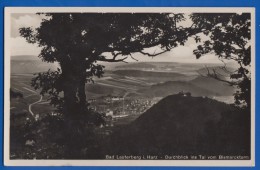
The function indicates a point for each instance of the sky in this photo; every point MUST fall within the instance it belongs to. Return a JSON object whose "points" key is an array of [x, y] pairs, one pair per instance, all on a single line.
{"points": [[183, 54]]}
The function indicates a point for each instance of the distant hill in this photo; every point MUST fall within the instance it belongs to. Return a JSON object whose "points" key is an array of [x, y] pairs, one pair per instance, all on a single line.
{"points": [[152, 76], [223, 73], [25, 57], [216, 86], [179, 125], [139, 73], [30, 66], [137, 66], [173, 87]]}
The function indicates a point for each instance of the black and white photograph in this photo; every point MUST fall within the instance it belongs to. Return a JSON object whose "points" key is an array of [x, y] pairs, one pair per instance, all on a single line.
{"points": [[129, 86]]}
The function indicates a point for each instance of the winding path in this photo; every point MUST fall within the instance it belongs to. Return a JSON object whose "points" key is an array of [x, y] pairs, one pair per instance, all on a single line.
{"points": [[30, 106]]}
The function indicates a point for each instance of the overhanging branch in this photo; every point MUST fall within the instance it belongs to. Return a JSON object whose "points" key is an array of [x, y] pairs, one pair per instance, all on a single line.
{"points": [[133, 57], [215, 75], [103, 58], [154, 54]]}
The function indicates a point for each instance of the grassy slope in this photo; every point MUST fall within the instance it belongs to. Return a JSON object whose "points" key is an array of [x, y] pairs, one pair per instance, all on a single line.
{"points": [[186, 125]]}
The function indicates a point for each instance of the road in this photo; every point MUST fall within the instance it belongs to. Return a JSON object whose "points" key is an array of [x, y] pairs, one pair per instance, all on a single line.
{"points": [[30, 90], [30, 106]]}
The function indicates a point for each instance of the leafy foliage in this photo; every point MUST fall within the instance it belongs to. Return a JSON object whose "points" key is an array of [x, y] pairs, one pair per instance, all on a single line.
{"points": [[14, 94], [50, 138], [229, 38], [49, 83], [77, 41]]}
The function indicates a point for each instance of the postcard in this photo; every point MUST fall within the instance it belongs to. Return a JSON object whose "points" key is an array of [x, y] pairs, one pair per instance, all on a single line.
{"points": [[161, 86]]}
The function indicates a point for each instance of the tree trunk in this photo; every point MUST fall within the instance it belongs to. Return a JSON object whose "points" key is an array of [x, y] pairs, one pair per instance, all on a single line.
{"points": [[82, 92], [70, 91], [75, 111], [74, 90]]}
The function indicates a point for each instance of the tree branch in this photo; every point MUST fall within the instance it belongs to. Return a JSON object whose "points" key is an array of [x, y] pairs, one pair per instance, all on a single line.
{"points": [[103, 58], [116, 54], [224, 68], [154, 54], [133, 57], [189, 32], [215, 75]]}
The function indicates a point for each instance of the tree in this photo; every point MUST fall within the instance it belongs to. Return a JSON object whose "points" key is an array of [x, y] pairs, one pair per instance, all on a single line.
{"points": [[229, 37], [78, 41]]}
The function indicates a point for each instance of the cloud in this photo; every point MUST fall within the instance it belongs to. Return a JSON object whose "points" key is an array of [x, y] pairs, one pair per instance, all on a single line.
{"points": [[19, 46], [24, 20]]}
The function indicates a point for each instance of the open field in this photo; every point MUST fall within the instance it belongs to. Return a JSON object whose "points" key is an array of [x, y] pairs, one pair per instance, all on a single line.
{"points": [[129, 80]]}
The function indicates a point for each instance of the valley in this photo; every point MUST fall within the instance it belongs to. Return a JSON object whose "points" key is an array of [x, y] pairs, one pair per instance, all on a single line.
{"points": [[124, 89], [121, 96]]}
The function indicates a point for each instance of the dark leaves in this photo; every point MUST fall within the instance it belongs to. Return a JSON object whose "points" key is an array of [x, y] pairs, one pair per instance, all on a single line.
{"points": [[49, 83], [229, 38], [197, 39], [28, 34]]}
